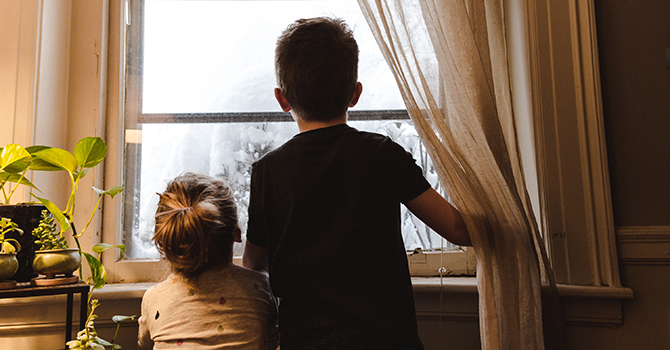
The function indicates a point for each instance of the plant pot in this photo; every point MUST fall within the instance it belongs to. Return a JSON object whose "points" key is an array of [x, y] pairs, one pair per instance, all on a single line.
{"points": [[27, 216], [8, 265], [57, 262]]}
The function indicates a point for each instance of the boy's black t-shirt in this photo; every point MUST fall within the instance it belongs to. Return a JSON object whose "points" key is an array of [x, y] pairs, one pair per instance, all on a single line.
{"points": [[326, 204]]}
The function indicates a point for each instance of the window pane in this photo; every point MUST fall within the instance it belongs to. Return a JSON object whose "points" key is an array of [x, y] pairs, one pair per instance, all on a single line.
{"points": [[227, 150], [214, 59], [218, 56]]}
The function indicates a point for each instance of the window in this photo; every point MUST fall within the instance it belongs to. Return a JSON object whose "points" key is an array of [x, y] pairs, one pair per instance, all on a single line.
{"points": [[200, 97], [555, 89]]}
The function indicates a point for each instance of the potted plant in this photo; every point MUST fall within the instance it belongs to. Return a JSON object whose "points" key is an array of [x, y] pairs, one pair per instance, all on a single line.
{"points": [[15, 161], [54, 257], [8, 249], [50, 227]]}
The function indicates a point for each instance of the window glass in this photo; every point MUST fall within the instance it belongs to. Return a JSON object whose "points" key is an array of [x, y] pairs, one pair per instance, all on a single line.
{"points": [[218, 56], [200, 98]]}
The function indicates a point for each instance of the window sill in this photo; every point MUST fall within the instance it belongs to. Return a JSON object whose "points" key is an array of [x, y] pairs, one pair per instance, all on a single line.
{"points": [[582, 305], [469, 285], [466, 285]]}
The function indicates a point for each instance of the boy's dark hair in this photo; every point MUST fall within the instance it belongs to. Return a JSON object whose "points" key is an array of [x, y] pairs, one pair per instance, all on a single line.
{"points": [[316, 64], [196, 221]]}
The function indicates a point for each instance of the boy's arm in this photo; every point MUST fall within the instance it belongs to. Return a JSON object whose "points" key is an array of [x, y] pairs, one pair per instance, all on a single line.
{"points": [[436, 212], [255, 257]]}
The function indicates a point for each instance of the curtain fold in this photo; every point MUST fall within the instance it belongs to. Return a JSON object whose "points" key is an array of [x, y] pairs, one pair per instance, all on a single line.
{"points": [[450, 62]]}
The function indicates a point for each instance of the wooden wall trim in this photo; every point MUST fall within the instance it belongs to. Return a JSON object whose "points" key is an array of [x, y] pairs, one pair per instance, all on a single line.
{"points": [[644, 245]]}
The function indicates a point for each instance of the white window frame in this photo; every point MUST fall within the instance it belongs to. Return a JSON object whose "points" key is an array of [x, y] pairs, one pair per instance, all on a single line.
{"points": [[556, 84], [422, 263], [573, 179]]}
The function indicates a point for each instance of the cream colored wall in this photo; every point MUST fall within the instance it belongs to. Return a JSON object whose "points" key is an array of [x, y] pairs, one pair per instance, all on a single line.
{"points": [[19, 59], [51, 92], [632, 40], [646, 318], [19, 22], [34, 81]]}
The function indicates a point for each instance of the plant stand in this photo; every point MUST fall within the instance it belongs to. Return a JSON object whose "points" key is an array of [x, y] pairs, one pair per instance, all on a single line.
{"points": [[26, 290]]}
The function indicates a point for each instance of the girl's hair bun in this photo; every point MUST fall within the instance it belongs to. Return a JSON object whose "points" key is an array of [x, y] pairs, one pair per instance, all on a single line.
{"points": [[196, 221]]}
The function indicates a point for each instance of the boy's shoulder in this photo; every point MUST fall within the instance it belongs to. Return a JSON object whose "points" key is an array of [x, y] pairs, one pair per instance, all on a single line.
{"points": [[342, 136]]}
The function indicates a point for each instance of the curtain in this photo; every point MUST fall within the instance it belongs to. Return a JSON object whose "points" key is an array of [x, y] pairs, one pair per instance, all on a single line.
{"points": [[450, 62]]}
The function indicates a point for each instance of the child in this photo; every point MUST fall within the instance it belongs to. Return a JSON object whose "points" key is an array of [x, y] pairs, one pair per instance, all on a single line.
{"points": [[324, 212], [206, 302]]}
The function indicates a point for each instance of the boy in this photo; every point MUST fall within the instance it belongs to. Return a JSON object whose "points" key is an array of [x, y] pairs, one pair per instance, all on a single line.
{"points": [[324, 213]]}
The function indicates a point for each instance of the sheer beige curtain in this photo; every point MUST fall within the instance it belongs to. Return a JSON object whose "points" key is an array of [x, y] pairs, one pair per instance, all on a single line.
{"points": [[450, 62]]}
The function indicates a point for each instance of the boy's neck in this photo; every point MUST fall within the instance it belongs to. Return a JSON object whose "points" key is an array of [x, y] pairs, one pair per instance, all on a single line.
{"points": [[304, 125]]}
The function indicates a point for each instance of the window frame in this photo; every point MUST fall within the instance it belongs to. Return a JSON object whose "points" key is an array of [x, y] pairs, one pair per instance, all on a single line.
{"points": [[460, 261], [555, 73]]}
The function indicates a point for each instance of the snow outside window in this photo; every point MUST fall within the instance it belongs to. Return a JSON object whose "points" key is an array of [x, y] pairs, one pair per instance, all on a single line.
{"points": [[200, 98]]}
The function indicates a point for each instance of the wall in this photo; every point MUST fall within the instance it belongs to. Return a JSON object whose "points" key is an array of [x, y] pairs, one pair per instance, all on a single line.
{"points": [[633, 38], [18, 59]]}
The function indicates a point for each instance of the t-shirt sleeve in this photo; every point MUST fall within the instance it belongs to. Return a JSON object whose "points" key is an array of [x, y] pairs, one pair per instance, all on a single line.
{"points": [[413, 182], [255, 226]]}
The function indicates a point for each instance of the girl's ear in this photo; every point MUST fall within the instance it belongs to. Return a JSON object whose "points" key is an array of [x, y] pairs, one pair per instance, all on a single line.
{"points": [[237, 235], [283, 103]]}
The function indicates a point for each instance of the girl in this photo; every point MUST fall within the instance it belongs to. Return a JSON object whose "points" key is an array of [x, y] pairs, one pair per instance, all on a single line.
{"points": [[206, 302]]}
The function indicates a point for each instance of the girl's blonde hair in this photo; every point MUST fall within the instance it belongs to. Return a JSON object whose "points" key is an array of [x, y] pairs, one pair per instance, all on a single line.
{"points": [[196, 222]]}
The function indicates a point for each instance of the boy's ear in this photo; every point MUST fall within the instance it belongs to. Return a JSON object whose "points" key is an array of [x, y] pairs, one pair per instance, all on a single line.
{"points": [[283, 103], [357, 94]]}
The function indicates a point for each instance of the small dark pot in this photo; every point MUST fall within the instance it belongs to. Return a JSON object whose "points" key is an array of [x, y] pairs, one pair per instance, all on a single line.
{"points": [[27, 216]]}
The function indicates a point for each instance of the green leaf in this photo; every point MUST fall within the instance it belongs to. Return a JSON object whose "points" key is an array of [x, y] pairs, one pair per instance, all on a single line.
{"points": [[7, 247], [111, 192], [36, 148], [80, 174], [16, 178], [14, 159], [98, 272], [56, 212], [7, 222], [101, 247], [103, 342], [121, 318], [38, 164], [55, 157], [41, 165], [90, 151]]}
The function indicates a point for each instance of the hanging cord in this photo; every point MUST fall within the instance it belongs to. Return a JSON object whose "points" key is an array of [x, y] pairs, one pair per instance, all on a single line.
{"points": [[442, 270]]}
